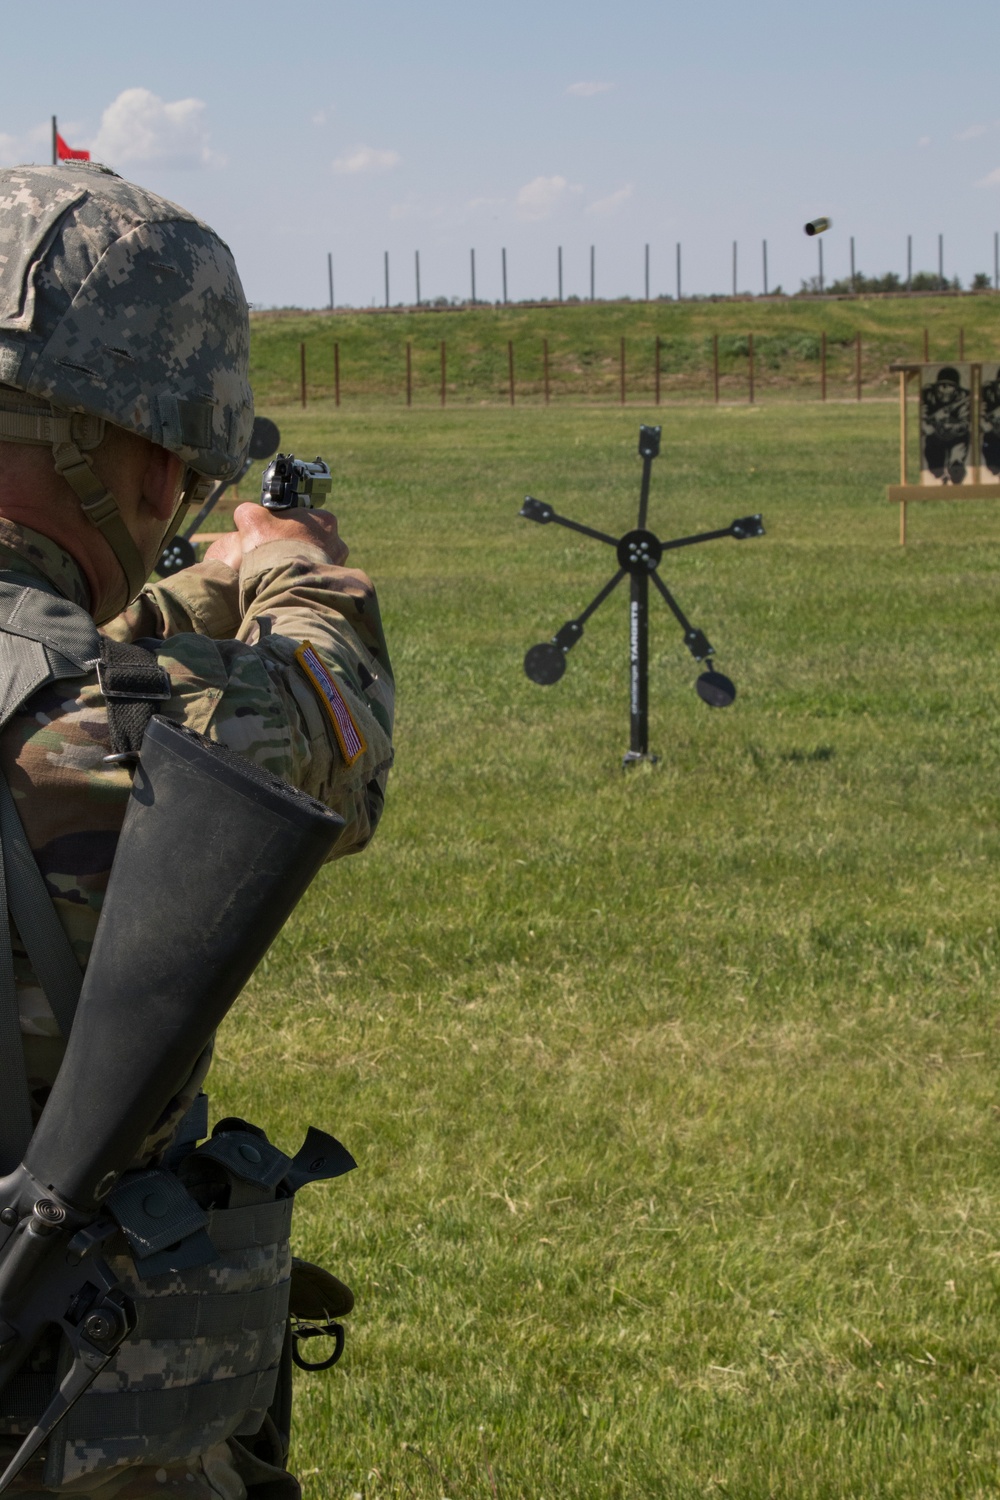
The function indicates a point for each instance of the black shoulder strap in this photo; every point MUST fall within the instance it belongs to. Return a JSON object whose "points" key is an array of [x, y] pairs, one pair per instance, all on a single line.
{"points": [[42, 638], [132, 682]]}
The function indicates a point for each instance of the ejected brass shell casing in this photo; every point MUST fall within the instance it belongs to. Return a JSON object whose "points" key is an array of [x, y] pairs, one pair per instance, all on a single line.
{"points": [[816, 226]]}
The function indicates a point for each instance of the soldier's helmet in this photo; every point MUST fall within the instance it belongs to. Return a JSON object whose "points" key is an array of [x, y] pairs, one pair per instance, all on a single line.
{"points": [[949, 376], [117, 306]]}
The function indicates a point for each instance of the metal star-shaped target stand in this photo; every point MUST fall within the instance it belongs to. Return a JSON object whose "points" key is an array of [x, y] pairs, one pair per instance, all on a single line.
{"points": [[639, 554]]}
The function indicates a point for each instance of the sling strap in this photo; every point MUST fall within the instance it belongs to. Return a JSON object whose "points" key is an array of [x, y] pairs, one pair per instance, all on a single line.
{"points": [[15, 1104], [41, 931], [46, 638], [132, 682]]}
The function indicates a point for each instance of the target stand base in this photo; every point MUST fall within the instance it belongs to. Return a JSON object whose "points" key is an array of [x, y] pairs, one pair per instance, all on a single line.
{"points": [[635, 757]]}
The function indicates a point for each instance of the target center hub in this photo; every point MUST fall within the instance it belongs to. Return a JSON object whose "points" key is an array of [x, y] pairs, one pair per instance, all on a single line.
{"points": [[639, 552]]}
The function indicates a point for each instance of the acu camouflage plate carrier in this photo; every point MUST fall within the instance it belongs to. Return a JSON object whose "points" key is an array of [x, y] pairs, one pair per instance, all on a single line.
{"points": [[202, 1240]]}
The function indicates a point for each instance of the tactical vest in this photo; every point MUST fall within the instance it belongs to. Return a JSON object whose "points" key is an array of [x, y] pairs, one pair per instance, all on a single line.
{"points": [[202, 1245]]}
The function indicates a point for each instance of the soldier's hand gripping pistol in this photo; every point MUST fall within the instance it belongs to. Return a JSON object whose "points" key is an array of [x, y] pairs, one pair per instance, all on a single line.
{"points": [[177, 940]]}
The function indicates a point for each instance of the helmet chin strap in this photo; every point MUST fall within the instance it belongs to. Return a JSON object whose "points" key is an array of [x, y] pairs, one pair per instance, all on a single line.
{"points": [[24, 419], [101, 508]]}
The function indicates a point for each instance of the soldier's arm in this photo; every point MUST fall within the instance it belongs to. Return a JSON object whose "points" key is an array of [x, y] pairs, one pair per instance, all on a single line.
{"points": [[203, 600], [317, 629], [317, 715]]}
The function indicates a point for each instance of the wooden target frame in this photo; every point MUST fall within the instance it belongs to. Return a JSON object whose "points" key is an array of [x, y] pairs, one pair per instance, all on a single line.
{"points": [[971, 488]]}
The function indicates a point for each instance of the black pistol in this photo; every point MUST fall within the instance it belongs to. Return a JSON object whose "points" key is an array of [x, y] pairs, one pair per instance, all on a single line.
{"points": [[290, 483]]}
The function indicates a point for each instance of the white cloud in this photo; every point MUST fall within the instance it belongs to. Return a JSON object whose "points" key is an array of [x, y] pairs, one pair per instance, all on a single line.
{"points": [[971, 133], [366, 159], [538, 198], [587, 90], [992, 179], [140, 127], [612, 203], [486, 205], [414, 207], [924, 140]]}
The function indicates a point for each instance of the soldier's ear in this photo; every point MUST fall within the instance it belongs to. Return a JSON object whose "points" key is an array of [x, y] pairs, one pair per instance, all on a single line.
{"points": [[162, 482]]}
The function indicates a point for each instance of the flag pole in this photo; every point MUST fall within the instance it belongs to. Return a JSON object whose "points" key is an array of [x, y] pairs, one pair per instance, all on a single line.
{"points": [[55, 154]]}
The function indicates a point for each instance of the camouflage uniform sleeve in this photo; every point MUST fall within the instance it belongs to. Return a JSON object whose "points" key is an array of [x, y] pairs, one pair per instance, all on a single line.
{"points": [[204, 600], [251, 693]]}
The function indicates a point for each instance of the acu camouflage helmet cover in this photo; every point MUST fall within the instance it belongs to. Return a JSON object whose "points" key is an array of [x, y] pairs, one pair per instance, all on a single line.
{"points": [[116, 302]]}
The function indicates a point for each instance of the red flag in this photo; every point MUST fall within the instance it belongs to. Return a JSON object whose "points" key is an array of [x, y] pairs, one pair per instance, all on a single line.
{"points": [[66, 153]]}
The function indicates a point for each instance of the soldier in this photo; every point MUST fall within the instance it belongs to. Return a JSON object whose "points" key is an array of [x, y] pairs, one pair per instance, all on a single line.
{"points": [[990, 421], [946, 426], [124, 338]]}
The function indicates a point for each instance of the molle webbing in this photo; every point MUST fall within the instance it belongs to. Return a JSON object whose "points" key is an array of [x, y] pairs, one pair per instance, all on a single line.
{"points": [[143, 1415], [201, 1315]]}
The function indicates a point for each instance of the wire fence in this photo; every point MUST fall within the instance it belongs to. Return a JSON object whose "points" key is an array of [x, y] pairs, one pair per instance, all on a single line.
{"points": [[716, 368]]}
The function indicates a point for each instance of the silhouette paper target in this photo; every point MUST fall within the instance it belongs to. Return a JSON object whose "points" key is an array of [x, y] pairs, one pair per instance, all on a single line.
{"points": [[639, 553]]}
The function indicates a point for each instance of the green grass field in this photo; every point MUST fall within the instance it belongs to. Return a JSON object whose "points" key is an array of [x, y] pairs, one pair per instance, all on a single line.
{"points": [[584, 342], [674, 1093]]}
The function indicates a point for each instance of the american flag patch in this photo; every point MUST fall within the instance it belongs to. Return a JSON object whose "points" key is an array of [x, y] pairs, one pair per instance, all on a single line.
{"points": [[349, 736]]}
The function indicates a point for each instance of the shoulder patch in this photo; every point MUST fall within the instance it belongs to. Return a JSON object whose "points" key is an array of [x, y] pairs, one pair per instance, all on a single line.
{"points": [[349, 736]]}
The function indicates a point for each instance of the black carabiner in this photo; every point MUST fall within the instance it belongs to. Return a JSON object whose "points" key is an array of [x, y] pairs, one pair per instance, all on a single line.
{"points": [[333, 1331]]}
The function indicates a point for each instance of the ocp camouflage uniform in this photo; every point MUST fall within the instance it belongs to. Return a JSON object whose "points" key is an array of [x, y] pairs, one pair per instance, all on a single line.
{"points": [[228, 644]]}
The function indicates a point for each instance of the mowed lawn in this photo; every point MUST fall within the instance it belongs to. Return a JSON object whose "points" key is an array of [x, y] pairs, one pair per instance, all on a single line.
{"points": [[674, 1092]]}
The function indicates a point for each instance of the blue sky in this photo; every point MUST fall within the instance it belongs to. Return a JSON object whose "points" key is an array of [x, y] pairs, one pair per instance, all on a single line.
{"points": [[359, 128]]}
